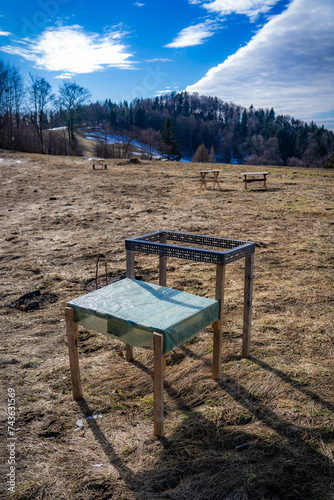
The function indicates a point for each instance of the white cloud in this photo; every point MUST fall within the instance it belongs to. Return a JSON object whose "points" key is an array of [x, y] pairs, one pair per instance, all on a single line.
{"points": [[65, 76], [288, 64], [139, 4], [250, 8], [158, 59], [194, 35], [167, 90], [72, 51], [4, 33]]}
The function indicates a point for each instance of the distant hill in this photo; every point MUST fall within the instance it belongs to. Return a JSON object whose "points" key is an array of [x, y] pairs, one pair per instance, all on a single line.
{"points": [[237, 135], [172, 126]]}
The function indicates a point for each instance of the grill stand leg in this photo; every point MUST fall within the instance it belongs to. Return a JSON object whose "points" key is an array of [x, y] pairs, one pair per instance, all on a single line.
{"points": [[248, 299], [130, 273], [218, 325]]}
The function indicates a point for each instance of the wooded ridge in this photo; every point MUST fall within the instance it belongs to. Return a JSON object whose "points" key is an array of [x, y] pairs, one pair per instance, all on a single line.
{"points": [[29, 115]]}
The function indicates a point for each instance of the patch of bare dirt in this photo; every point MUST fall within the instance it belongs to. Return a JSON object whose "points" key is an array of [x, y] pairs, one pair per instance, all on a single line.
{"points": [[264, 431]]}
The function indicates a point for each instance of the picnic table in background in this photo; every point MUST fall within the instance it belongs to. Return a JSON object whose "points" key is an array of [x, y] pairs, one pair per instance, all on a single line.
{"points": [[100, 162], [255, 177], [214, 173]]}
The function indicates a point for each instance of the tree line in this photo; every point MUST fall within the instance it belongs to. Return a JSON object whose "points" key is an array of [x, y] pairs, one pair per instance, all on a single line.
{"points": [[227, 132], [27, 112], [176, 124]]}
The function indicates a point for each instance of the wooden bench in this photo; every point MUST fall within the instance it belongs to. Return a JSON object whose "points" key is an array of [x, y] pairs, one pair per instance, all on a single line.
{"points": [[215, 177], [255, 177], [100, 162]]}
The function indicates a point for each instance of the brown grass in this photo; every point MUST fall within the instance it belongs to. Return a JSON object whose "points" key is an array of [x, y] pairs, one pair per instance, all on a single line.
{"points": [[57, 215]]}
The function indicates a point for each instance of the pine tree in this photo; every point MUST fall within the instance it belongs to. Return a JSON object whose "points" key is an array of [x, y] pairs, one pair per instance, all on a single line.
{"points": [[169, 145], [329, 161], [201, 154]]}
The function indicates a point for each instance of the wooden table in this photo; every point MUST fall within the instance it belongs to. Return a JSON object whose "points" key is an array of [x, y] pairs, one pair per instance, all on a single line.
{"points": [[142, 314], [215, 177], [255, 177]]}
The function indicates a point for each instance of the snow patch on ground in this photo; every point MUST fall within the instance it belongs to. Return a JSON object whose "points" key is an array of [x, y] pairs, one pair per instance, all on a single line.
{"points": [[101, 135], [117, 139]]}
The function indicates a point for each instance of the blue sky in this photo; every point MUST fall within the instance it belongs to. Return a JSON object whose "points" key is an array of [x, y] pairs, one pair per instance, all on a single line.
{"points": [[267, 53]]}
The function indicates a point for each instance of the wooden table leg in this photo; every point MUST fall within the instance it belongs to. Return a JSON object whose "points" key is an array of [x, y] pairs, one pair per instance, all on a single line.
{"points": [[130, 273], [248, 299], [128, 353], [218, 325], [203, 174], [216, 179], [72, 336], [163, 272], [158, 342]]}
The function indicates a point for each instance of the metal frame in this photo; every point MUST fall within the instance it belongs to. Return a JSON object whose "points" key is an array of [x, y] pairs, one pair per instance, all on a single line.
{"points": [[151, 243], [229, 251]]}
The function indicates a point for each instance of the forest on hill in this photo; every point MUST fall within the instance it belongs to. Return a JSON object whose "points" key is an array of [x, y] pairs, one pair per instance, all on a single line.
{"points": [[176, 124]]}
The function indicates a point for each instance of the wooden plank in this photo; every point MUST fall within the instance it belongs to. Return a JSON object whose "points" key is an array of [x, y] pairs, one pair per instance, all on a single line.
{"points": [[218, 325], [248, 300], [158, 342], [72, 336], [261, 179], [254, 173]]}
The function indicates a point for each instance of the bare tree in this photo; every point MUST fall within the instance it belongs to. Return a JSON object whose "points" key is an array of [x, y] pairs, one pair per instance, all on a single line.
{"points": [[11, 95], [201, 154], [3, 84], [41, 95], [72, 96], [212, 156], [150, 139], [125, 139]]}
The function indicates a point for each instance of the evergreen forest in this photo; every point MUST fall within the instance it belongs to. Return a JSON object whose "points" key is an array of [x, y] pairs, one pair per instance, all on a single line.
{"points": [[174, 124]]}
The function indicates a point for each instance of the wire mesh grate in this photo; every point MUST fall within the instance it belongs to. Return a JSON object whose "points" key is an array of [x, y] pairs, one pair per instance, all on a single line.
{"points": [[232, 250]]}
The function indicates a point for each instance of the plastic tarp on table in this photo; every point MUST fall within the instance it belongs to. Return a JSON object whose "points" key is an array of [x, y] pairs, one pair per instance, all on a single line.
{"points": [[132, 310]]}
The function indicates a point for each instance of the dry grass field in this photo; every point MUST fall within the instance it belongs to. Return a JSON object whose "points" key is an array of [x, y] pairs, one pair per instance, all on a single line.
{"points": [[57, 215]]}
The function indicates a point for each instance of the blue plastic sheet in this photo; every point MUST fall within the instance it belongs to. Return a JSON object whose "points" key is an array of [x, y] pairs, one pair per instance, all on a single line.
{"points": [[132, 310]]}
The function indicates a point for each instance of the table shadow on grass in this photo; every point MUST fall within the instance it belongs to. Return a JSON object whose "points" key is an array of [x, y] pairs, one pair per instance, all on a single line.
{"points": [[201, 457]]}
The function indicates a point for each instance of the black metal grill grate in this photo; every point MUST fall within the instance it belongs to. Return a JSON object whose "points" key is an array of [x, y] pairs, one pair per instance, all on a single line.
{"points": [[150, 243]]}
